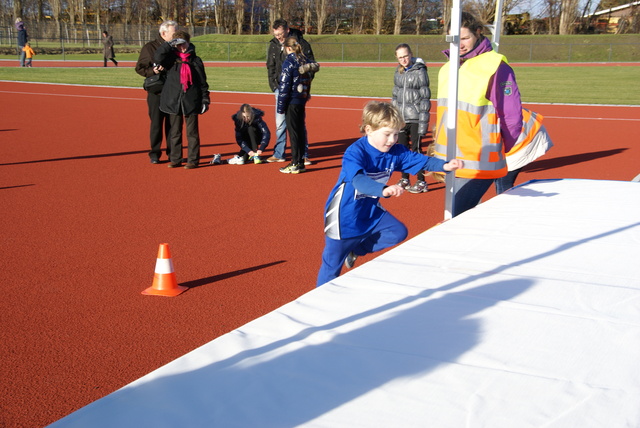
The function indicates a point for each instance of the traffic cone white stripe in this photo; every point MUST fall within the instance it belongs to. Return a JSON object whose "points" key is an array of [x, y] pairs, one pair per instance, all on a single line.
{"points": [[164, 279], [164, 266]]}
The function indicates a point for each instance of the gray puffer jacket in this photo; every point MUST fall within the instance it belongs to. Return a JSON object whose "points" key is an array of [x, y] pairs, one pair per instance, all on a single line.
{"points": [[412, 95]]}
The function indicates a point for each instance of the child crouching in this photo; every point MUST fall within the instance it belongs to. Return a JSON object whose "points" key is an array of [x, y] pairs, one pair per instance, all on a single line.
{"points": [[355, 222]]}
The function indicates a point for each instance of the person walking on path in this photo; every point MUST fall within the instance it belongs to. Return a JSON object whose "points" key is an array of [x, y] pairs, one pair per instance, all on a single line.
{"points": [[147, 67], [276, 56], [412, 97], [29, 53], [185, 95], [108, 54], [23, 37]]}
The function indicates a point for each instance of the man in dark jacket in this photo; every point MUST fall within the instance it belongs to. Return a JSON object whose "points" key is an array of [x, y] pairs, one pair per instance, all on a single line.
{"points": [[275, 57], [22, 39], [146, 67]]}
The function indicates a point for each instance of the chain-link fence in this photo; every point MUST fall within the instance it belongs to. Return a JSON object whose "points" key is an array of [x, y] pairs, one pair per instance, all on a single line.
{"points": [[129, 39]]}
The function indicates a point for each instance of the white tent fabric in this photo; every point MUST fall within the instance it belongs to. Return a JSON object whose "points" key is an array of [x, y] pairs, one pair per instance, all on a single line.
{"points": [[523, 312]]}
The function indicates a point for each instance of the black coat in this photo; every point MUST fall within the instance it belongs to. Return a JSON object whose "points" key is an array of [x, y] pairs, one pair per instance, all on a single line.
{"points": [[144, 66], [276, 56], [23, 37], [174, 100]]}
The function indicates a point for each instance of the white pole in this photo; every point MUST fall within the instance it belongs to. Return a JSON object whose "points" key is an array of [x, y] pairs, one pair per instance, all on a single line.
{"points": [[496, 28], [452, 104]]}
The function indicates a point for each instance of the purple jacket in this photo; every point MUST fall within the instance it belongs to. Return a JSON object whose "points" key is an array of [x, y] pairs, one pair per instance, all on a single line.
{"points": [[503, 92]]}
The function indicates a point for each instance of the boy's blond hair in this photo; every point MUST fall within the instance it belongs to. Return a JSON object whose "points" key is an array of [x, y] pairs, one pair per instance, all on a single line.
{"points": [[378, 114]]}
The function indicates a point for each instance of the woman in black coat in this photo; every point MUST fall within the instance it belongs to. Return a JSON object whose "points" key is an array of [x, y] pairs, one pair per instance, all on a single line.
{"points": [[108, 53], [185, 95]]}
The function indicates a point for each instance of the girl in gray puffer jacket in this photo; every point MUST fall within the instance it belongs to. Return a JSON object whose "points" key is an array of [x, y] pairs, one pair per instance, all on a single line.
{"points": [[412, 97]]}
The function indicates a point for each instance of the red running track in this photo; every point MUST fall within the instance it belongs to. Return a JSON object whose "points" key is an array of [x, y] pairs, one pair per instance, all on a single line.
{"points": [[84, 212]]}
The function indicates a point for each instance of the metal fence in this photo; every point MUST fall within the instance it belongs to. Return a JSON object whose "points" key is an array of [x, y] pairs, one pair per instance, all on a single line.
{"points": [[341, 52]]}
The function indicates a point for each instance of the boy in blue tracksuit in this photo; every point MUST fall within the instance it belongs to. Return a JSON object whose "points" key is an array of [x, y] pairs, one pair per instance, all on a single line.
{"points": [[355, 222]]}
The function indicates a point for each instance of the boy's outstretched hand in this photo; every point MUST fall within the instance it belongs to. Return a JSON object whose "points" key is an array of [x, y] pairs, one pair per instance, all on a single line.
{"points": [[393, 190], [453, 164]]}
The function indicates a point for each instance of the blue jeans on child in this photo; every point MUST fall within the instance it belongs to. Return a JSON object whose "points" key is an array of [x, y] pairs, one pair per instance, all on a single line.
{"points": [[388, 232]]}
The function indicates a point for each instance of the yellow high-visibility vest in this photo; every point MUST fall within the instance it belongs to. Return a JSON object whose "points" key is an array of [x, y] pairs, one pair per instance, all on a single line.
{"points": [[479, 142]]}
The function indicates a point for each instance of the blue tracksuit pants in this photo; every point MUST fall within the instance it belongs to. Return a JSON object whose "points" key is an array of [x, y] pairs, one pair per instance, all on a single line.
{"points": [[388, 232]]}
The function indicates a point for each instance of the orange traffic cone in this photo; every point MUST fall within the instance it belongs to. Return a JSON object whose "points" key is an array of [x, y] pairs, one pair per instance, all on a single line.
{"points": [[164, 279]]}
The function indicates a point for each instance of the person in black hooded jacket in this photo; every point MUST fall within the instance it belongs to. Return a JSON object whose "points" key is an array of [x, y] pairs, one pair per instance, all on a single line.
{"points": [[185, 95], [252, 134]]}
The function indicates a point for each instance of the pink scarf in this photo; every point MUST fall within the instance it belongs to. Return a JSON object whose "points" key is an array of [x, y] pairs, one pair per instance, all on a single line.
{"points": [[185, 71]]}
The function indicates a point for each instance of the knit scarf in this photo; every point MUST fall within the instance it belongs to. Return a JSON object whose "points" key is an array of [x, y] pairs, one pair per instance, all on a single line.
{"points": [[185, 71]]}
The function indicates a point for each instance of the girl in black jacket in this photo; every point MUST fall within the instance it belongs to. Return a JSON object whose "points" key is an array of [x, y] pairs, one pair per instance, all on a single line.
{"points": [[185, 95], [293, 94], [252, 135]]}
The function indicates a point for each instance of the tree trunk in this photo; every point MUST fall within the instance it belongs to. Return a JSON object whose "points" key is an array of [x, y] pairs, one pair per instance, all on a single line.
{"points": [[321, 14], [239, 6], [378, 15], [397, 6], [568, 14]]}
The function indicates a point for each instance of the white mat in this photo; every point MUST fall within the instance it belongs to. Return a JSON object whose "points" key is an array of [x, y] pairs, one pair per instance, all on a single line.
{"points": [[523, 312]]}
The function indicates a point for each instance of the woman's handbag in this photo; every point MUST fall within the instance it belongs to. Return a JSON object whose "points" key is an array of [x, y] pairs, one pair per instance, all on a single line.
{"points": [[154, 83]]}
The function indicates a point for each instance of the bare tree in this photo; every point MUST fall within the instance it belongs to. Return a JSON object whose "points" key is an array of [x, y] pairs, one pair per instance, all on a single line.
{"points": [[379, 7], [18, 11], [397, 7], [307, 7], [239, 7], [164, 7], [568, 16], [321, 14]]}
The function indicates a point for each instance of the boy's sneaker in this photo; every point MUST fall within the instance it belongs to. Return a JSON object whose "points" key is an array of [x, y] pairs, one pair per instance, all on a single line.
{"points": [[404, 183], [419, 187], [236, 160], [292, 169], [350, 260], [216, 159], [274, 159]]}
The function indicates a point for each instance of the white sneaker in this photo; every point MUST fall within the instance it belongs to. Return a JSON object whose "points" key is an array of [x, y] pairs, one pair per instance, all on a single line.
{"points": [[216, 160], [236, 160]]}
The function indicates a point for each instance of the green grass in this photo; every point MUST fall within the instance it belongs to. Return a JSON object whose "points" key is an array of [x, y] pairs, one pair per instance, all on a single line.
{"points": [[569, 85]]}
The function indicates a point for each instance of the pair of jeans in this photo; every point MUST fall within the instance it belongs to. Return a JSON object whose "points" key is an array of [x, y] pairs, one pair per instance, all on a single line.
{"points": [[507, 182], [388, 232], [281, 133], [23, 56], [469, 192]]}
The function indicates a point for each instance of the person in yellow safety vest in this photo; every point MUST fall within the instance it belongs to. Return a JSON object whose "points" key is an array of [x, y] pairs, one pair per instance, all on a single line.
{"points": [[489, 114], [533, 142]]}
